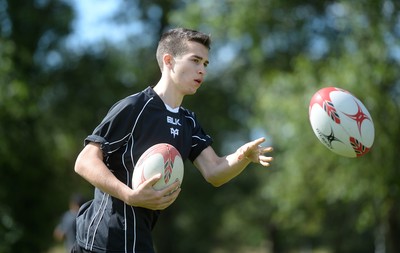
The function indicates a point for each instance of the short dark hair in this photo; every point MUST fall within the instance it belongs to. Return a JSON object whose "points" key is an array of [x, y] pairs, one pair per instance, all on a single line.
{"points": [[174, 42]]}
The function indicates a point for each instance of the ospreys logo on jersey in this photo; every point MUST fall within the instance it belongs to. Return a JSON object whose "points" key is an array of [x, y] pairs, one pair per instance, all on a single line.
{"points": [[175, 122], [174, 131]]}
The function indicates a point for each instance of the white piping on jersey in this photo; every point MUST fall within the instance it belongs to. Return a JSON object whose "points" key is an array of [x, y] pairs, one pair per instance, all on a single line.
{"points": [[197, 137], [125, 221], [134, 229], [128, 181], [194, 122], [112, 143], [105, 197], [194, 126], [104, 201], [123, 138], [125, 228], [125, 205]]}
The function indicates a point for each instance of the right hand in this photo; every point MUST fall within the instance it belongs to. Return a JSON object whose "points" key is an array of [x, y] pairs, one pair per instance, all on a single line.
{"points": [[146, 196]]}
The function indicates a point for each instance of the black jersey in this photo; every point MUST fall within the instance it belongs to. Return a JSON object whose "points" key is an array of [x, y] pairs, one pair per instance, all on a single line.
{"points": [[107, 224]]}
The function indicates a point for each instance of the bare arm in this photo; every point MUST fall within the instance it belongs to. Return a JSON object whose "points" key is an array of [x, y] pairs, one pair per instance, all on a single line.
{"points": [[91, 167], [219, 170]]}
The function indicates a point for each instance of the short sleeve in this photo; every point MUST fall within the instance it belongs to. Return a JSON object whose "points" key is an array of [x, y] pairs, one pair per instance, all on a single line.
{"points": [[115, 129], [200, 140]]}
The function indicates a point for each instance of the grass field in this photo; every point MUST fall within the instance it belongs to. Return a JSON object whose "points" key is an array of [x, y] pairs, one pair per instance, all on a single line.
{"points": [[59, 248]]}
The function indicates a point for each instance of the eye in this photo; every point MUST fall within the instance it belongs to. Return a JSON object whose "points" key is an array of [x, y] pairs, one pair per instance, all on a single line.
{"points": [[200, 60]]}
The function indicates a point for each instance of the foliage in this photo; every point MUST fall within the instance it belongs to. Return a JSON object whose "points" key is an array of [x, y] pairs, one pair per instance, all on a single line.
{"points": [[289, 50], [267, 60]]}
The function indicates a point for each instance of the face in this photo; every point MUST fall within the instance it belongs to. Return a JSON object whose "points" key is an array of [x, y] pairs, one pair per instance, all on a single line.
{"points": [[188, 70]]}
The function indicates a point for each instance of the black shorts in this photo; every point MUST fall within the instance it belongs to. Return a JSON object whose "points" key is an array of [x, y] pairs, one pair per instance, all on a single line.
{"points": [[78, 249]]}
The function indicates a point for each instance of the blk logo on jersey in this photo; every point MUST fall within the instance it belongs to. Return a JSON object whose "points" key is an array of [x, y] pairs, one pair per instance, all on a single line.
{"points": [[173, 121]]}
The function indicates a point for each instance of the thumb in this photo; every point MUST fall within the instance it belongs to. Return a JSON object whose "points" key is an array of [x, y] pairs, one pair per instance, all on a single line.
{"points": [[153, 180]]}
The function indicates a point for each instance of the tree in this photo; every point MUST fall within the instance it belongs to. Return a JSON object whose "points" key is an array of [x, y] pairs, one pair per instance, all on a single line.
{"points": [[28, 174], [276, 58], [267, 60]]}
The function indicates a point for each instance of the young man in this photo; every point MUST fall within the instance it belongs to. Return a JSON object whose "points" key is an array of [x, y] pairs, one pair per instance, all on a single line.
{"points": [[120, 219]]}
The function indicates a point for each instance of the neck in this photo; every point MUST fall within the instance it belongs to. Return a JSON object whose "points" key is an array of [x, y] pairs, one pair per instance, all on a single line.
{"points": [[167, 94]]}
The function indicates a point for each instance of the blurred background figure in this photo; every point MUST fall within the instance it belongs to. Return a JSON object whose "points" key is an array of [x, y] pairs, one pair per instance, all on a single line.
{"points": [[66, 229]]}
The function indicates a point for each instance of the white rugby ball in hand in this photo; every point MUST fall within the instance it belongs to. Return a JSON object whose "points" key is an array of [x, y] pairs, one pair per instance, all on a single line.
{"points": [[161, 158]]}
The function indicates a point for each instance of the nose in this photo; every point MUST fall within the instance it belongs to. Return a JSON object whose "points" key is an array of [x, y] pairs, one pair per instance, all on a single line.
{"points": [[202, 70]]}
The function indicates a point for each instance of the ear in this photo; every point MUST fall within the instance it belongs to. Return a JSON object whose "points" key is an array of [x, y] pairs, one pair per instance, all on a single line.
{"points": [[168, 61]]}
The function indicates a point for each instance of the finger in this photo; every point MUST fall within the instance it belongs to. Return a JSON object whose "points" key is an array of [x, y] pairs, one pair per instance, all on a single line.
{"points": [[173, 194], [264, 150], [265, 164], [258, 141], [165, 198], [171, 188], [169, 199], [265, 160]]}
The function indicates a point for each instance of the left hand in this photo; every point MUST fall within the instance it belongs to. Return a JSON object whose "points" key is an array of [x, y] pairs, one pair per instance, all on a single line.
{"points": [[255, 153]]}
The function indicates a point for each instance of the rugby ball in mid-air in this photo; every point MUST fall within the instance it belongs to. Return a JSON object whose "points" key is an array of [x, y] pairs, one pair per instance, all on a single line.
{"points": [[161, 158], [341, 122]]}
